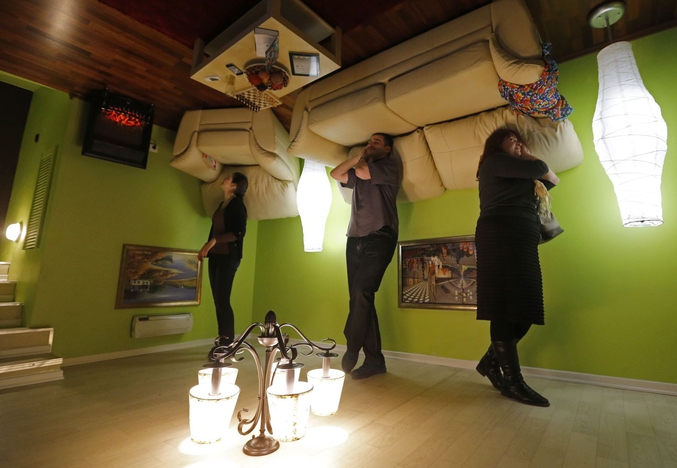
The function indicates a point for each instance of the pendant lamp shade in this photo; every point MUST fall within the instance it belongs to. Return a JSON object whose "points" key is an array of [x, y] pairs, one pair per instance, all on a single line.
{"points": [[630, 137], [313, 200]]}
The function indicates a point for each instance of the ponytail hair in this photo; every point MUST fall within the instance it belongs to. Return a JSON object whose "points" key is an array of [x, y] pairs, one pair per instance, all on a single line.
{"points": [[242, 183]]}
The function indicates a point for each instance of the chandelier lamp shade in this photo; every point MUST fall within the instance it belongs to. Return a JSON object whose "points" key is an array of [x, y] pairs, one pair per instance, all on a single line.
{"points": [[313, 200], [630, 134]]}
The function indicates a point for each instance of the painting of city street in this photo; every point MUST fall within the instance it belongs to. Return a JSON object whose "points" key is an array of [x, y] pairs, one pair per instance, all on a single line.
{"points": [[158, 276], [438, 273]]}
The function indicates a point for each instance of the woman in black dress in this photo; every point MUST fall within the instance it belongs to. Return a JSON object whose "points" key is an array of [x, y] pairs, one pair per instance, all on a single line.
{"points": [[224, 249], [509, 284]]}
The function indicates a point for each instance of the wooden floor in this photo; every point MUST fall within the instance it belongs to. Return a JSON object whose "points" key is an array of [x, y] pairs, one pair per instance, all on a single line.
{"points": [[133, 412]]}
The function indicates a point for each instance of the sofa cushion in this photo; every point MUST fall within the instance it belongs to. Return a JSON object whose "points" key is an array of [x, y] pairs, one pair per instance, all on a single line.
{"points": [[512, 69], [266, 197], [421, 96], [420, 179], [456, 146], [352, 119], [227, 147]]}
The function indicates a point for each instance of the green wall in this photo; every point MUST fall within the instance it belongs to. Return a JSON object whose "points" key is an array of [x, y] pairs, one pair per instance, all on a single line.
{"points": [[609, 291], [95, 207]]}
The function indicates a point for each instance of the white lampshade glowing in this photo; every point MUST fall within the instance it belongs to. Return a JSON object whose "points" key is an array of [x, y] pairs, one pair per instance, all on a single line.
{"points": [[210, 414], [228, 376], [313, 200], [630, 136], [289, 410], [327, 389]]}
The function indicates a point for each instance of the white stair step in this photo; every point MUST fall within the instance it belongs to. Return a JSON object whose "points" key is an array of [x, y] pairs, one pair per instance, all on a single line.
{"points": [[11, 314], [25, 341], [7, 289], [17, 372]]}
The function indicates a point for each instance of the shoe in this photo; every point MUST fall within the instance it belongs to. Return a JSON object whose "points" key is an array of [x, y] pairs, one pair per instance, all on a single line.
{"points": [[349, 360], [222, 341], [514, 385], [367, 371], [489, 368]]}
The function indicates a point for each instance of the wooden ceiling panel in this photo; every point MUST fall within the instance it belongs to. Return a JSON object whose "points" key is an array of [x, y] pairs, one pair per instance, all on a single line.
{"points": [[142, 49]]}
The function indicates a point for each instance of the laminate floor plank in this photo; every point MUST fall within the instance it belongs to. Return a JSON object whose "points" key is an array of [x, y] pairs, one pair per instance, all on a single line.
{"points": [[133, 413]]}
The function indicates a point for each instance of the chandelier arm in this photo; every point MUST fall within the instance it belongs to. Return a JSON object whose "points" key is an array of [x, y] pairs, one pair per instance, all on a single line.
{"points": [[308, 341], [254, 419]]}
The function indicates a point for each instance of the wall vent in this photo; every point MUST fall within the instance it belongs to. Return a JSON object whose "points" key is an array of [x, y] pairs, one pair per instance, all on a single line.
{"points": [[39, 206]]}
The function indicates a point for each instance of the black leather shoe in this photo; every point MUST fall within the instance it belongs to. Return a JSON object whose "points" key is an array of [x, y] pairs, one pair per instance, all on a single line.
{"points": [[349, 360], [367, 371]]}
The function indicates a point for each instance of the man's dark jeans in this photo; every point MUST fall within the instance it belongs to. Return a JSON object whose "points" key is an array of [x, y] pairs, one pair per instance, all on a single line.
{"points": [[367, 259]]}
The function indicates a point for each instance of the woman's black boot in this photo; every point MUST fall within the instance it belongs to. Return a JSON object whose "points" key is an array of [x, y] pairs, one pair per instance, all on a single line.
{"points": [[489, 368], [513, 383]]}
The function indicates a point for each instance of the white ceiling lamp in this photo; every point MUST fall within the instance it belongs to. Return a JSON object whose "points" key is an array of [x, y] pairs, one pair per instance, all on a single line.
{"points": [[313, 200], [629, 132]]}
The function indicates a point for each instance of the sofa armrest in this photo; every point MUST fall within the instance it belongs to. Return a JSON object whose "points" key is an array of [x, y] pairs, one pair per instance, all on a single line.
{"points": [[308, 145], [190, 123], [515, 29]]}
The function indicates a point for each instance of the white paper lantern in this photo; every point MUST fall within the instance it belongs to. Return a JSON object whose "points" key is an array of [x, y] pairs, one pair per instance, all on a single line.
{"points": [[630, 136], [313, 200]]}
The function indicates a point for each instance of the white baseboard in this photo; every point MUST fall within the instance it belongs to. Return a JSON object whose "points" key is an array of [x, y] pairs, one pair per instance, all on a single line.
{"points": [[135, 352], [564, 376]]}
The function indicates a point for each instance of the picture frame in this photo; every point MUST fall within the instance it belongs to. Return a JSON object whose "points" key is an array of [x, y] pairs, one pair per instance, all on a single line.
{"points": [[437, 273], [304, 64], [158, 277]]}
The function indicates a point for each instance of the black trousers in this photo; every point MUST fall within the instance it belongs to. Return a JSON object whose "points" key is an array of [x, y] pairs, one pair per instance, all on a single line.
{"points": [[367, 259], [222, 269], [508, 331]]}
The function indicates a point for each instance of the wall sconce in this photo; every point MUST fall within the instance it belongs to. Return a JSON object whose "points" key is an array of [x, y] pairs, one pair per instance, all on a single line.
{"points": [[13, 232], [629, 132], [284, 402], [313, 200]]}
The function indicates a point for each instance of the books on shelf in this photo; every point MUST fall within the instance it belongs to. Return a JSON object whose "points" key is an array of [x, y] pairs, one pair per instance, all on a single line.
{"points": [[264, 38]]}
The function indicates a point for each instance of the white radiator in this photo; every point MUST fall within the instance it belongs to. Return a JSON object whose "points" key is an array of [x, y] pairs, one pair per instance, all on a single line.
{"points": [[156, 325]]}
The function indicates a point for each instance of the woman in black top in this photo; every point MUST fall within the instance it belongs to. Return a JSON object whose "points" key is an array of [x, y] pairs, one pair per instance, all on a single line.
{"points": [[509, 284], [224, 249]]}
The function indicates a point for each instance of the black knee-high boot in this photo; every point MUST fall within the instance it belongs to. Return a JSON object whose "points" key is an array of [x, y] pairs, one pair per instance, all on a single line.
{"points": [[513, 383], [489, 368]]}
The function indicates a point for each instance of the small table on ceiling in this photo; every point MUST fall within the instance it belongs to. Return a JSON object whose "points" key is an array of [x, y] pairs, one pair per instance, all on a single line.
{"points": [[300, 31]]}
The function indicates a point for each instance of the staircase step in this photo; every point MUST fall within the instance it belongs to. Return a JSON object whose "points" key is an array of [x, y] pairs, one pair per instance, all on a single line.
{"points": [[7, 289], [4, 271], [29, 370], [25, 341], [11, 314]]}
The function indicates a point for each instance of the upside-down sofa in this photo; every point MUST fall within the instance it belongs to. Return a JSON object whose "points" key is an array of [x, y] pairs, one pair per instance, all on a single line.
{"points": [[437, 93]]}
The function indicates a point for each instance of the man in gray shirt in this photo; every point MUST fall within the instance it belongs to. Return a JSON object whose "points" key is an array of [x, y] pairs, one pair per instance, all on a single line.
{"points": [[374, 177]]}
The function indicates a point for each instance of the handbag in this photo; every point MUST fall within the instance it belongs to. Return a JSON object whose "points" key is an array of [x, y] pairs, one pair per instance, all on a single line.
{"points": [[549, 226]]}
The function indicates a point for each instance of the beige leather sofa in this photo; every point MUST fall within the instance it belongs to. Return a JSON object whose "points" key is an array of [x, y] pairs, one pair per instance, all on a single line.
{"points": [[212, 144], [438, 93]]}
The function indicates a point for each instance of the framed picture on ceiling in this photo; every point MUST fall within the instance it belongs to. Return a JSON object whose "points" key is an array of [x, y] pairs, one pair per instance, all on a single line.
{"points": [[303, 64], [158, 277], [438, 273]]}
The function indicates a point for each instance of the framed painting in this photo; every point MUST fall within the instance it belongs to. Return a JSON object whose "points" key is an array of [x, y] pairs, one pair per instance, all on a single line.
{"points": [[158, 277], [438, 273]]}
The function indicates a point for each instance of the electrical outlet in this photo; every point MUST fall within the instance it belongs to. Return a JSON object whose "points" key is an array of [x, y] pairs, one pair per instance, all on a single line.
{"points": [[153, 147]]}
